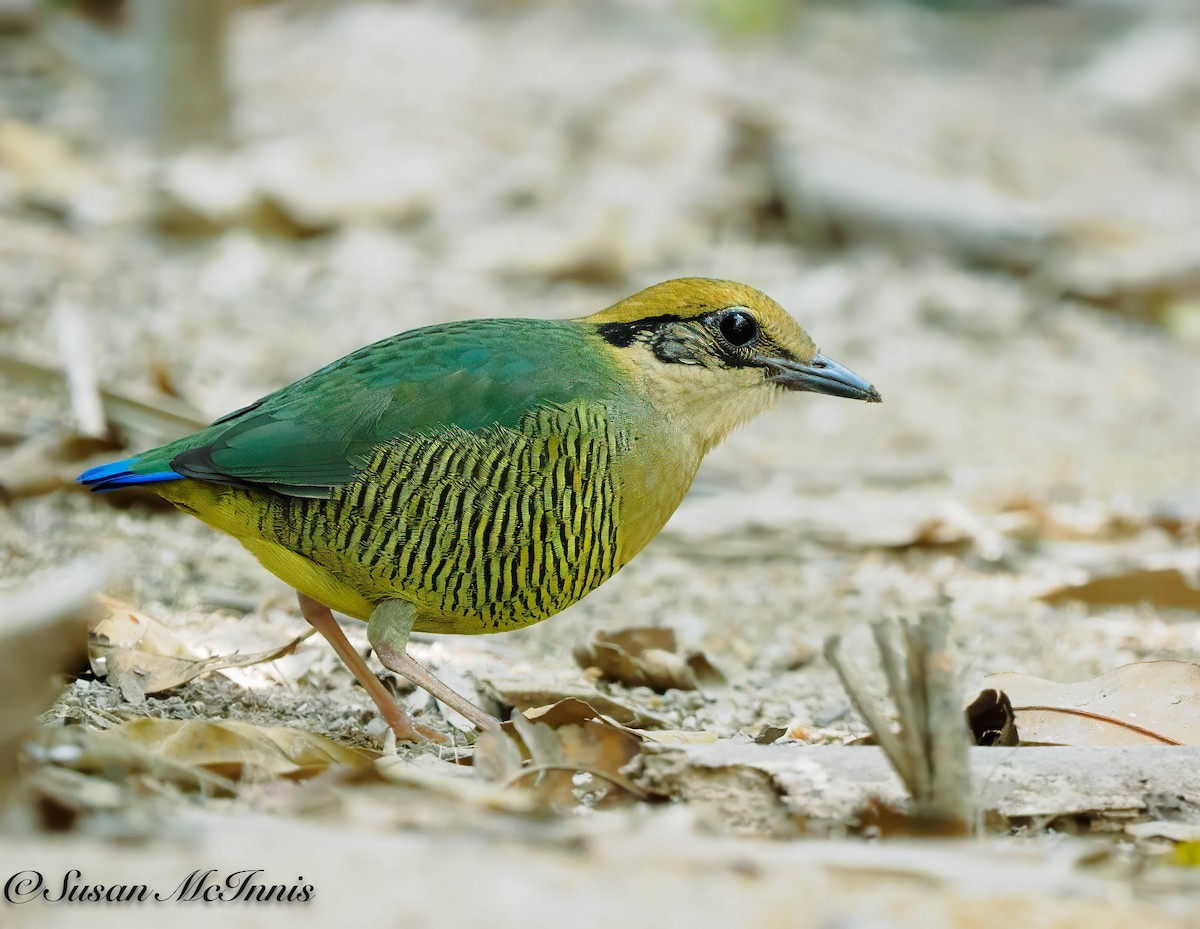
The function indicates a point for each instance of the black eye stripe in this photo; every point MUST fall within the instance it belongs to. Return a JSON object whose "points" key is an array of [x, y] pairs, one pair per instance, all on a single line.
{"points": [[622, 335]]}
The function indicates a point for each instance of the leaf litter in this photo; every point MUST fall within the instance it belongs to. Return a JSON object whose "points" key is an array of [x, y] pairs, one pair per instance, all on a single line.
{"points": [[1147, 703], [824, 554], [140, 656], [647, 657]]}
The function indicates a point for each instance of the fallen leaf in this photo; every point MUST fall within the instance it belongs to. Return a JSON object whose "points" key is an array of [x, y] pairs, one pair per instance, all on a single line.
{"points": [[554, 745], [140, 655], [1146, 703], [125, 627], [543, 743], [98, 753], [1031, 520], [239, 750], [991, 719], [497, 758], [1161, 588], [526, 694], [446, 779], [647, 657]]}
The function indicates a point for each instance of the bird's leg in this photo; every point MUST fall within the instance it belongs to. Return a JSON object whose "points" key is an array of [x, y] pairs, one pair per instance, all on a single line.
{"points": [[388, 631], [321, 618]]}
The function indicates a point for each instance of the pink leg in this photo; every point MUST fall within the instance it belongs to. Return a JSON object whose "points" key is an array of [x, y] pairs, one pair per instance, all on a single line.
{"points": [[400, 722], [388, 631]]}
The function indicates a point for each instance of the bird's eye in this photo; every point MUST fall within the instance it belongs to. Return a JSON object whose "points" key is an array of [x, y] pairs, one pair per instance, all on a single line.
{"points": [[738, 328]]}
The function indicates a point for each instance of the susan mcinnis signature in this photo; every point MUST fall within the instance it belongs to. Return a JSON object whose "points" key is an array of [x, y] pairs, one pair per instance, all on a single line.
{"points": [[205, 886]]}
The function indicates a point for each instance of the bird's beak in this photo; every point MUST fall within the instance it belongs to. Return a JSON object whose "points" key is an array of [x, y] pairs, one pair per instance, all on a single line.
{"points": [[822, 376]]}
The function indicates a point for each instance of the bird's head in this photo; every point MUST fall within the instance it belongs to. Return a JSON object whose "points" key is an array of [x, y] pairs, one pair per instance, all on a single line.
{"points": [[714, 354]]}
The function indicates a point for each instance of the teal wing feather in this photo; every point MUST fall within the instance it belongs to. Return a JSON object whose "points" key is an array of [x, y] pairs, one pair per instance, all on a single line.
{"points": [[318, 433]]}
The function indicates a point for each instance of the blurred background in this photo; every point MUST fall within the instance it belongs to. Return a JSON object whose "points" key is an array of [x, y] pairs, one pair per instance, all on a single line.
{"points": [[990, 209]]}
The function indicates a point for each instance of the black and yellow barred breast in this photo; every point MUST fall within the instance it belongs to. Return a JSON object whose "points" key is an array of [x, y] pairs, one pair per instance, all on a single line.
{"points": [[492, 529]]}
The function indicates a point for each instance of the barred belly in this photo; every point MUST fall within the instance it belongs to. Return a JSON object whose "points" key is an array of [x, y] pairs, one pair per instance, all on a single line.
{"points": [[486, 530]]}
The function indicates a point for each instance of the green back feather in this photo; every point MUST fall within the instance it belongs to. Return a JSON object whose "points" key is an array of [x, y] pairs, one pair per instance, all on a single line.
{"points": [[319, 433]]}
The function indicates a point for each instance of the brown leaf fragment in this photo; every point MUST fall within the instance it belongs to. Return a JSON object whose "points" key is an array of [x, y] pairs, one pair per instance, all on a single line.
{"points": [[76, 771], [647, 657], [526, 694], [544, 746], [991, 719], [587, 739], [1161, 588], [239, 750], [770, 734], [553, 746], [888, 821], [497, 758], [1146, 703], [141, 656], [1032, 520]]}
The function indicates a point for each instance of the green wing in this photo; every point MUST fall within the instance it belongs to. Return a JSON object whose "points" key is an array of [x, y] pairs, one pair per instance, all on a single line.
{"points": [[318, 433]]}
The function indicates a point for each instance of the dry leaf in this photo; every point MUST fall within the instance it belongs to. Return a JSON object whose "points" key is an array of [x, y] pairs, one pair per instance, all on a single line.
{"points": [[1031, 520], [139, 655], [126, 628], [105, 756], [991, 719], [647, 657], [240, 750], [1147, 703], [497, 758], [556, 743], [448, 780], [544, 746], [1162, 588], [528, 694]]}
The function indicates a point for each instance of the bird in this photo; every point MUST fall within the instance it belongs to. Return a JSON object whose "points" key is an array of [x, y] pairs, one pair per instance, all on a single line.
{"points": [[483, 475]]}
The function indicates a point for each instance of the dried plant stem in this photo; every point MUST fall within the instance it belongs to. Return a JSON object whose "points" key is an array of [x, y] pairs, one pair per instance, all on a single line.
{"points": [[930, 749]]}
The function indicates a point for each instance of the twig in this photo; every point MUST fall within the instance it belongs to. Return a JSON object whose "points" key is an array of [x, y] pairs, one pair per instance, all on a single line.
{"points": [[74, 346], [930, 750], [907, 705], [162, 419]]}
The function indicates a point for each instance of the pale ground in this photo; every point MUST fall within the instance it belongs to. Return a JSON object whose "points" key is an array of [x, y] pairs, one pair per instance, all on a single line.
{"points": [[544, 164]]}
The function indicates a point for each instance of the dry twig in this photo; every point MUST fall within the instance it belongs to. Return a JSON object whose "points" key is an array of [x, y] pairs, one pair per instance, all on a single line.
{"points": [[930, 750]]}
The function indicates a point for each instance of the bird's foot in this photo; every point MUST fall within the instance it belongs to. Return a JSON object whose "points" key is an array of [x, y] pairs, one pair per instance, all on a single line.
{"points": [[398, 720], [388, 632]]}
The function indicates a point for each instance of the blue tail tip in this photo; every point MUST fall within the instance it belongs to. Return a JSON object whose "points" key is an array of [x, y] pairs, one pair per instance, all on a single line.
{"points": [[115, 475]]}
